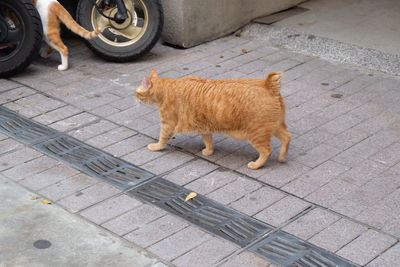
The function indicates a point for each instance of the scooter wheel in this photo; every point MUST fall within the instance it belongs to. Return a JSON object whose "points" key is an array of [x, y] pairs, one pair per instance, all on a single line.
{"points": [[20, 35], [124, 40]]}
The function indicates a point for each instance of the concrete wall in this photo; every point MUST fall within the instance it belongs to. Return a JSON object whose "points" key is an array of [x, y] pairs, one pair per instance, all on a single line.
{"points": [[191, 22]]}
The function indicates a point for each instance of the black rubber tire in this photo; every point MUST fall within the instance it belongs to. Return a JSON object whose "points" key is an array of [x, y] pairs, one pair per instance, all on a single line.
{"points": [[126, 53], [33, 32]]}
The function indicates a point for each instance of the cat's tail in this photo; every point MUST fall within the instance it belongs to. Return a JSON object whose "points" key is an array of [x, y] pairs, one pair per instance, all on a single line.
{"points": [[71, 24], [273, 81]]}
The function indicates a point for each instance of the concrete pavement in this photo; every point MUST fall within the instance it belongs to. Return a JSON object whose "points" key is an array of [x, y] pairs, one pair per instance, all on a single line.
{"points": [[36, 234]]}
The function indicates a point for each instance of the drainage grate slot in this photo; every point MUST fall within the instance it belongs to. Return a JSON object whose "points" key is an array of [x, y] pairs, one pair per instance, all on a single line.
{"points": [[22, 129], [201, 211], [287, 250], [94, 162]]}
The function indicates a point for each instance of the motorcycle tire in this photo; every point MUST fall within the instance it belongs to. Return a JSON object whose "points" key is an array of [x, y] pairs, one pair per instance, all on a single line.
{"points": [[126, 41], [27, 20]]}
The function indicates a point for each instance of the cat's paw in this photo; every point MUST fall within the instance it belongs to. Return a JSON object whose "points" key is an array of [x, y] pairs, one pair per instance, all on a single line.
{"points": [[207, 152], [253, 165], [62, 67], [155, 147]]}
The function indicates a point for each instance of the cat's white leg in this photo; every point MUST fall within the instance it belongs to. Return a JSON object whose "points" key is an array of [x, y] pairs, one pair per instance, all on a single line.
{"points": [[64, 62], [64, 59]]}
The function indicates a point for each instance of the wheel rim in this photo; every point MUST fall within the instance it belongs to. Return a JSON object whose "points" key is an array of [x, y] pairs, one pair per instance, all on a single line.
{"points": [[12, 32], [126, 33]]}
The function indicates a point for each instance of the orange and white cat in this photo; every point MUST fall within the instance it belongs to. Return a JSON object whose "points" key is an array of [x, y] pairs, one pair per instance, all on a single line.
{"points": [[246, 109], [51, 13]]}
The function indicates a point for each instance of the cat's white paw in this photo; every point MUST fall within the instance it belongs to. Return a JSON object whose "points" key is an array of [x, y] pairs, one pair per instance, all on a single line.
{"points": [[62, 67], [253, 165], [207, 152], [155, 147]]}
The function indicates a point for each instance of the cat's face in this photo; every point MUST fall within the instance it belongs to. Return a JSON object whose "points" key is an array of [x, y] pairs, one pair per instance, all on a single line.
{"points": [[145, 92]]}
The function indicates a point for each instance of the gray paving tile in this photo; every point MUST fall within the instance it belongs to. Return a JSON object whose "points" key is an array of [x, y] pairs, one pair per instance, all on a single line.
{"points": [[282, 211], [341, 124], [363, 172], [29, 168], [15, 94], [318, 155], [167, 162], [57, 115], [191, 172], [156, 231], [393, 226], [366, 247], [347, 139], [134, 219], [111, 137], [207, 254], [17, 157], [300, 188], [9, 145], [73, 122], [389, 258], [383, 138], [88, 197], [333, 191], [110, 208], [280, 174], [382, 212], [312, 139], [179, 243], [388, 156], [311, 223], [355, 154], [105, 111], [128, 145], [324, 173], [144, 155], [258, 200], [48, 177], [338, 235], [7, 85], [234, 190], [212, 181], [68, 186], [92, 130], [245, 258]]}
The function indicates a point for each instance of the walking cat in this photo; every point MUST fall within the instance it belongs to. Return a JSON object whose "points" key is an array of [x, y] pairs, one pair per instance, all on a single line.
{"points": [[52, 12], [246, 109]]}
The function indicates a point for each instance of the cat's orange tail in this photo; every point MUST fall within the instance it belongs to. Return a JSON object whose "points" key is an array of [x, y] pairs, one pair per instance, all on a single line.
{"points": [[273, 81], [71, 24]]}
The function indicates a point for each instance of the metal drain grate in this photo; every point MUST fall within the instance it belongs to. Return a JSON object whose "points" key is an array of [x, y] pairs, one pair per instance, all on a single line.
{"points": [[201, 211], [94, 162], [286, 250], [22, 129]]}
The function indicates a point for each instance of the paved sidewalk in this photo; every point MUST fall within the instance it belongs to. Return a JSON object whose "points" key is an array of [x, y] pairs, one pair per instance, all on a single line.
{"points": [[339, 190], [33, 233]]}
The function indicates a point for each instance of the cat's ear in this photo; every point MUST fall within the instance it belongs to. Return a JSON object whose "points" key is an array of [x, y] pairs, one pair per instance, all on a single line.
{"points": [[146, 84], [154, 74]]}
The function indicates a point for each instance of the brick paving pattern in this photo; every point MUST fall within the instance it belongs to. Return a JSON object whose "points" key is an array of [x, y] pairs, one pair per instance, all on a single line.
{"points": [[339, 189]]}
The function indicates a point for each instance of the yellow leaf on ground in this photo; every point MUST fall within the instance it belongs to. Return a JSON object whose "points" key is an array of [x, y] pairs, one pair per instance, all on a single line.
{"points": [[35, 197], [190, 196], [245, 51], [46, 201]]}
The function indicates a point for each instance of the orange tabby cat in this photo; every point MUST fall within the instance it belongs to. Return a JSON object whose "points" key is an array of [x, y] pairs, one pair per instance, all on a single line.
{"points": [[51, 12], [246, 109]]}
